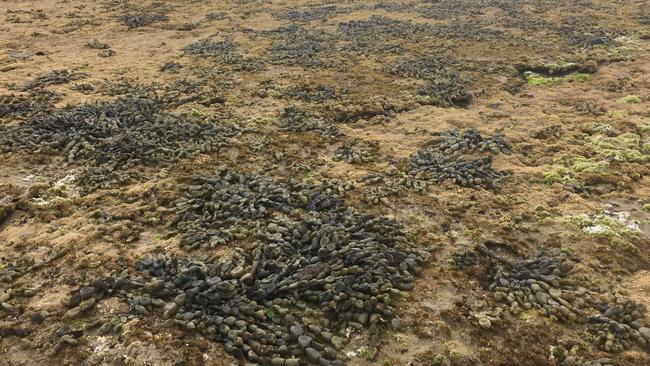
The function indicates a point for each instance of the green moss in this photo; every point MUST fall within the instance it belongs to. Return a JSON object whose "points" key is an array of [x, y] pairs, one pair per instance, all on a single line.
{"points": [[78, 323], [128, 360], [625, 147], [438, 359], [366, 352], [572, 169], [630, 99], [271, 313], [579, 77], [645, 203], [583, 165], [644, 132], [455, 355], [310, 177], [525, 315], [566, 250], [593, 128], [616, 228], [558, 353], [399, 338], [278, 91], [263, 121], [535, 79], [419, 219], [618, 53], [644, 129], [617, 114], [557, 175], [427, 100], [454, 235], [541, 213], [404, 295], [196, 113]]}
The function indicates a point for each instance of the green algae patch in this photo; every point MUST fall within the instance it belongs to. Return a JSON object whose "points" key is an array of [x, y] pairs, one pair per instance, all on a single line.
{"points": [[262, 121], [626, 147], [644, 132], [615, 227], [535, 79], [593, 128], [574, 168], [630, 99], [427, 100], [578, 77], [644, 129], [542, 214], [606, 147], [645, 203]]}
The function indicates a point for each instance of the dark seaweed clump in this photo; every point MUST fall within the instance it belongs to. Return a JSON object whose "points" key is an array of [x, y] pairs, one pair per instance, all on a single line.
{"points": [[313, 266]]}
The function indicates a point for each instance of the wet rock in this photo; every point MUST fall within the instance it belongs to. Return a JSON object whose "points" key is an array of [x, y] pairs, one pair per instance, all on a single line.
{"points": [[237, 272], [338, 342], [88, 135], [86, 292], [442, 160], [97, 45], [315, 255], [304, 341], [542, 297], [36, 101], [545, 281], [155, 285], [292, 362], [297, 119], [170, 310], [645, 332], [379, 34], [570, 361], [485, 323], [298, 45], [225, 52], [397, 323], [53, 78], [142, 18], [297, 330], [357, 152], [247, 279], [312, 354], [106, 53], [72, 313]]}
